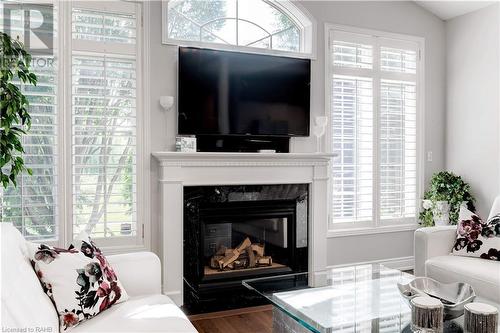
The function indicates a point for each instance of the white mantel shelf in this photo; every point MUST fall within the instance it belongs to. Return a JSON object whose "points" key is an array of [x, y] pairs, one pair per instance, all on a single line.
{"points": [[178, 169], [204, 158]]}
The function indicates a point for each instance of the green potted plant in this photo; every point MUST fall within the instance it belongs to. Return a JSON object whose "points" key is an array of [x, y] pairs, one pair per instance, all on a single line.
{"points": [[442, 201], [15, 119]]}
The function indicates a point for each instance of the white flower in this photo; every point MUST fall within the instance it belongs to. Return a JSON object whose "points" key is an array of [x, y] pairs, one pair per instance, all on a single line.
{"points": [[426, 204]]}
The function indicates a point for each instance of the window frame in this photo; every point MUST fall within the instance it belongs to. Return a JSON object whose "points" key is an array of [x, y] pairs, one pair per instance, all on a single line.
{"points": [[63, 141], [63, 49], [375, 225], [295, 11], [59, 236], [141, 241]]}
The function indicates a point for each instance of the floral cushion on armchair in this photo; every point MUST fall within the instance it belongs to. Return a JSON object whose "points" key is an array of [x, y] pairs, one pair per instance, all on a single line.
{"points": [[476, 238], [79, 281]]}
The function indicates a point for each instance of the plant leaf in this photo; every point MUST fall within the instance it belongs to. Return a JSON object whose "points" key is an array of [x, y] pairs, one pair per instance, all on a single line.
{"points": [[15, 117]]}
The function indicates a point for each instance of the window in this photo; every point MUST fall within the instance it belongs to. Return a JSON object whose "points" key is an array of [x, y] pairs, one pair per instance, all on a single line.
{"points": [[104, 86], [32, 206], [92, 25], [93, 132], [271, 25], [373, 92]]}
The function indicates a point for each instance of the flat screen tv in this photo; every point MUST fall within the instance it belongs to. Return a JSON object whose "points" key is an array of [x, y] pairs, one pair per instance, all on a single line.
{"points": [[233, 93]]}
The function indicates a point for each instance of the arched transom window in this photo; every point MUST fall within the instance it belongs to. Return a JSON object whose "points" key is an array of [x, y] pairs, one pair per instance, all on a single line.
{"points": [[274, 25]]}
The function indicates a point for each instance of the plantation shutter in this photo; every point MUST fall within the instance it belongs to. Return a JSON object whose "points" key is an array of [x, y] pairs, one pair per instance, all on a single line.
{"points": [[398, 151], [398, 130], [104, 125], [373, 109], [32, 205], [355, 53], [352, 125]]}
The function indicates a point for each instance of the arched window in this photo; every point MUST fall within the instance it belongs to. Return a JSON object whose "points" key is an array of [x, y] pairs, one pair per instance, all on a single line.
{"points": [[272, 25]]}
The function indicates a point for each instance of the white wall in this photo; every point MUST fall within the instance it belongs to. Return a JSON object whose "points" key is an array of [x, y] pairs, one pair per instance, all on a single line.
{"points": [[473, 109], [397, 17], [372, 247]]}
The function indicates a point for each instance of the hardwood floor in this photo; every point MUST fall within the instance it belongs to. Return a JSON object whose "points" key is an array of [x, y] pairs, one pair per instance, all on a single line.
{"points": [[257, 319]]}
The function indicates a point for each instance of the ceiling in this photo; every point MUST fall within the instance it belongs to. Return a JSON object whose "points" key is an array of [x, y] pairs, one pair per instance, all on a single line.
{"points": [[446, 10]]}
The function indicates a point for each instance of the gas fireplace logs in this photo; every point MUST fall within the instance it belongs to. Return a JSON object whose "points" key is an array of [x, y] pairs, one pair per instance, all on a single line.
{"points": [[245, 255]]}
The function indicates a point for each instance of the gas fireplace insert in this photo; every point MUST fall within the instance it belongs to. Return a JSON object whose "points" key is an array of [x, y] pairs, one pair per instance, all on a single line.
{"points": [[233, 233]]}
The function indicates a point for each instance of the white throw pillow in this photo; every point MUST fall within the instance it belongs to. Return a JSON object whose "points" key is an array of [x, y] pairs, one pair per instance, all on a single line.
{"points": [[476, 238], [79, 281]]}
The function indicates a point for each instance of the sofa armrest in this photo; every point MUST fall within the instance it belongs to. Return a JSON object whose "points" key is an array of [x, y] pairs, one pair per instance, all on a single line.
{"points": [[139, 272], [432, 242]]}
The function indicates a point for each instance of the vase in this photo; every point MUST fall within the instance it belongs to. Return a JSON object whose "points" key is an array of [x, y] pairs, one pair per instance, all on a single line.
{"points": [[441, 213], [319, 130]]}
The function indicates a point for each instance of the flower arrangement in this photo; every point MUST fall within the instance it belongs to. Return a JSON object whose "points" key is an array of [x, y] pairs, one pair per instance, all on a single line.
{"points": [[447, 187]]}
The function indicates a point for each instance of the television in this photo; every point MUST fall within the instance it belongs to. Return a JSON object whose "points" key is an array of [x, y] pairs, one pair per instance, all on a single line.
{"points": [[239, 94]]}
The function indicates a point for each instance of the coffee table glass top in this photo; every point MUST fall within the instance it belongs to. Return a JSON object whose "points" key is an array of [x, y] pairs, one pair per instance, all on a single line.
{"points": [[361, 298]]}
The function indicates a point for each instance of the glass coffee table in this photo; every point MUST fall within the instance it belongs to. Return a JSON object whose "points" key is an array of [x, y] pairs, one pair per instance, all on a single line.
{"points": [[361, 298]]}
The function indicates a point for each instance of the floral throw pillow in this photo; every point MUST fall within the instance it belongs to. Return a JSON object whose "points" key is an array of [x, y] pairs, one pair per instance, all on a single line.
{"points": [[79, 281], [476, 238]]}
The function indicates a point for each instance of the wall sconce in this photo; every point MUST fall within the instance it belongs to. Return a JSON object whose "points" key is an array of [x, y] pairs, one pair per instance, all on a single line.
{"points": [[167, 102]]}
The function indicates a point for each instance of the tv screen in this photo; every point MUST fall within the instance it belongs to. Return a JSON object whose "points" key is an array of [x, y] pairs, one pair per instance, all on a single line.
{"points": [[231, 93]]}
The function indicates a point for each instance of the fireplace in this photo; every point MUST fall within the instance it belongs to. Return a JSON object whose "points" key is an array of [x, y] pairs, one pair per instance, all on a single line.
{"points": [[233, 233]]}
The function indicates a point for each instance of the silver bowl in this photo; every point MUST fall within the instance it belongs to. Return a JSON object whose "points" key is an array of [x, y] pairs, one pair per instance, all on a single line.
{"points": [[453, 295]]}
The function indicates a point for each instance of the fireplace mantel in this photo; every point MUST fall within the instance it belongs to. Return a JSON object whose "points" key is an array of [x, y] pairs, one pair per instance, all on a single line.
{"points": [[190, 169], [222, 159]]}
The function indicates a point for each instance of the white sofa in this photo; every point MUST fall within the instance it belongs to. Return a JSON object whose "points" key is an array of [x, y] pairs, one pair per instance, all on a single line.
{"points": [[433, 259], [25, 306]]}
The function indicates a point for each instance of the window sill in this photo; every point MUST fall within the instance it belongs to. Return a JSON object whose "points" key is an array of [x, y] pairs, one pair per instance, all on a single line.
{"points": [[334, 233]]}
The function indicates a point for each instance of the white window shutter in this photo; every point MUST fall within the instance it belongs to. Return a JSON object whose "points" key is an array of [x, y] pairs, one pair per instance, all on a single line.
{"points": [[32, 205], [352, 127], [398, 149], [352, 55], [373, 109], [101, 126], [104, 124], [398, 60], [94, 25]]}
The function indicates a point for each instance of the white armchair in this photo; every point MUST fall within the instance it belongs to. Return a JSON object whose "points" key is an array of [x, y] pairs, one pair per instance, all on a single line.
{"points": [[433, 259], [432, 242], [25, 306], [140, 272]]}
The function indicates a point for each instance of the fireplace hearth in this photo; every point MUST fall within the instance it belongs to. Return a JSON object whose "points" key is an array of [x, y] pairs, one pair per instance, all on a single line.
{"points": [[233, 233]]}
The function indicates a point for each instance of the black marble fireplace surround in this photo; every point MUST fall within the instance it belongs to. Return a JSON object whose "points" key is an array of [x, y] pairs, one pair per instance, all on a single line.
{"points": [[275, 216]]}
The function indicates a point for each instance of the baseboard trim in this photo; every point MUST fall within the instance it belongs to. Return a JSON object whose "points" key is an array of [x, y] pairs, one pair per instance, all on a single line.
{"points": [[402, 263]]}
